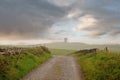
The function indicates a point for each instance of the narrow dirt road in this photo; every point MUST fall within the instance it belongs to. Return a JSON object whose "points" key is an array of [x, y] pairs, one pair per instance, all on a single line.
{"points": [[57, 68]]}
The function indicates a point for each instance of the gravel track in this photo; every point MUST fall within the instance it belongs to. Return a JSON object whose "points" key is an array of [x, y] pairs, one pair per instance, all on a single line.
{"points": [[57, 68]]}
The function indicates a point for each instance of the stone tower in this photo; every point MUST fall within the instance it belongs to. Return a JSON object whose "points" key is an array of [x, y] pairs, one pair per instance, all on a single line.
{"points": [[65, 40]]}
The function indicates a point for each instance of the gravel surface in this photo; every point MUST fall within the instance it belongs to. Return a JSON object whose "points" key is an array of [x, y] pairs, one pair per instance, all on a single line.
{"points": [[57, 68]]}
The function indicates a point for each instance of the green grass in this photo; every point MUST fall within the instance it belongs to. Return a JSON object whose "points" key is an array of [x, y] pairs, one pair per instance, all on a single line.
{"points": [[15, 67], [81, 46], [101, 66], [61, 51]]}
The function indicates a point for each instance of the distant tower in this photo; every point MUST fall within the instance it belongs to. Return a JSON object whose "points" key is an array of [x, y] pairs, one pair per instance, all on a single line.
{"points": [[65, 40]]}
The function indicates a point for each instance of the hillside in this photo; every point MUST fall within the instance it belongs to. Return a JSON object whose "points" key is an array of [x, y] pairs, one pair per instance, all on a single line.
{"points": [[80, 46]]}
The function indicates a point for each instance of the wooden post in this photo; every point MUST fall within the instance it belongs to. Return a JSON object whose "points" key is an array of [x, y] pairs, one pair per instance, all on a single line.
{"points": [[106, 49]]}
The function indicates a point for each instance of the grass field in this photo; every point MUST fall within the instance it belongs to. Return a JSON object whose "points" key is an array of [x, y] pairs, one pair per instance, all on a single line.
{"points": [[81, 46], [14, 67], [61, 51], [101, 66]]}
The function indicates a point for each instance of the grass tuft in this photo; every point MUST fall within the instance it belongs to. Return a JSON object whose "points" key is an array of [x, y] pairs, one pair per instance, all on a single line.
{"points": [[101, 66], [15, 67]]}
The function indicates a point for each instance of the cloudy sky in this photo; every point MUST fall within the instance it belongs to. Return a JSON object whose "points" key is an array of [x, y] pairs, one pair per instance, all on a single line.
{"points": [[38, 21]]}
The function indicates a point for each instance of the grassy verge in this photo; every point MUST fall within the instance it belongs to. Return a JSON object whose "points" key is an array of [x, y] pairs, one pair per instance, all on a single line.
{"points": [[15, 67], [101, 66]]}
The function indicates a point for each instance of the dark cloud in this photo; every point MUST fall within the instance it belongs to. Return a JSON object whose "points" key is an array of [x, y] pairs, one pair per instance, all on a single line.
{"points": [[28, 18]]}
